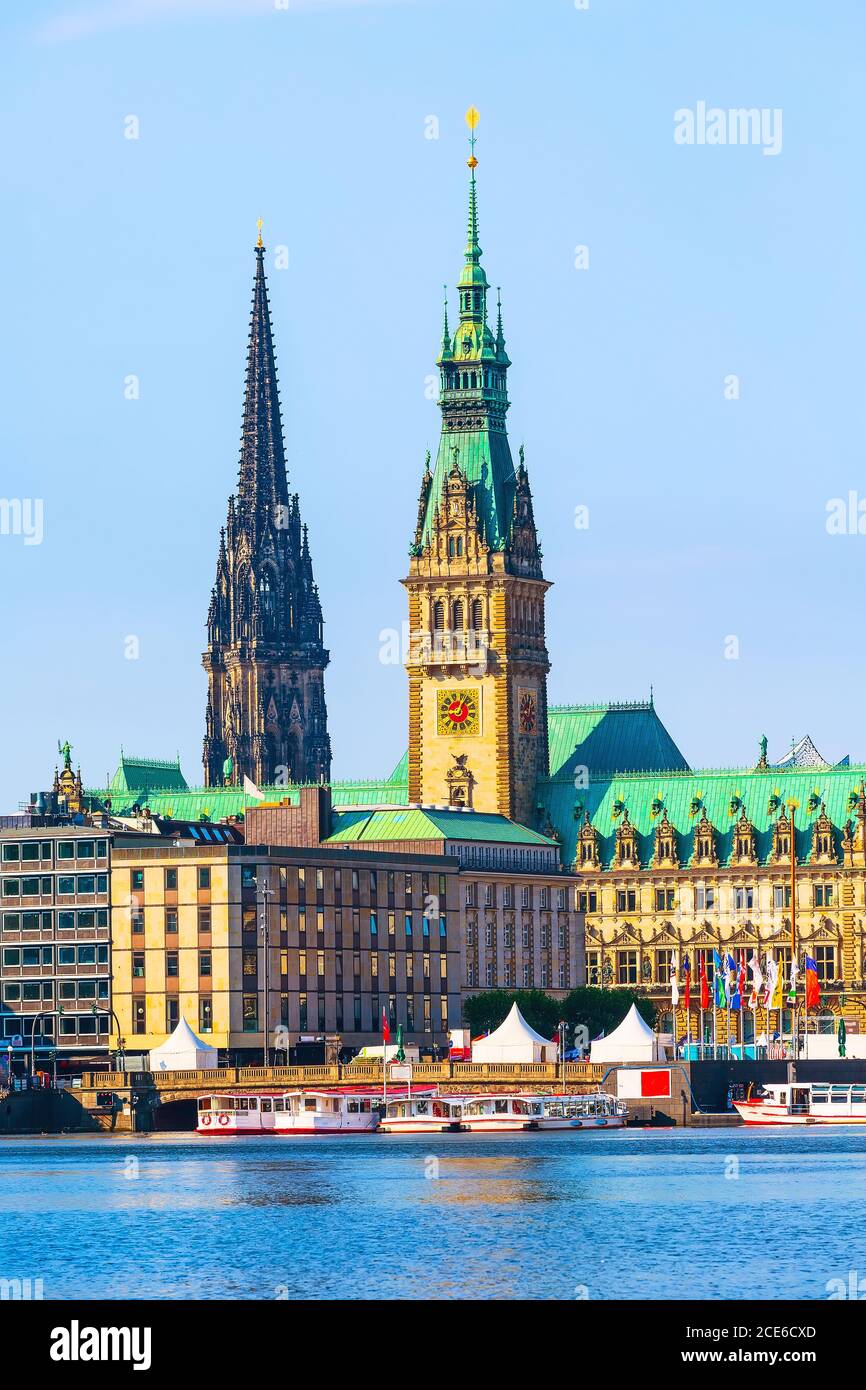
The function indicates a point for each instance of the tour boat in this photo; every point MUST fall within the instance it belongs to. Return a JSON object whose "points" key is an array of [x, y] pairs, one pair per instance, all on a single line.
{"points": [[289, 1112], [483, 1114], [595, 1111], [796, 1103], [422, 1114]]}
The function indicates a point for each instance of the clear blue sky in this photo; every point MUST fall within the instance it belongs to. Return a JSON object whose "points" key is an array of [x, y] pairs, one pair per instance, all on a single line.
{"points": [[707, 516]]}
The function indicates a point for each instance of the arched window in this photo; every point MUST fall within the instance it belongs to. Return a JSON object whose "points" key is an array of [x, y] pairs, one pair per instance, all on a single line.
{"points": [[477, 613], [438, 616], [458, 614], [267, 602]]}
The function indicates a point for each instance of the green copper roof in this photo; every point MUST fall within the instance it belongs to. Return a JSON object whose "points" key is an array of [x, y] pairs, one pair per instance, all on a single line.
{"points": [[684, 795], [415, 823], [484, 455], [135, 773], [609, 738], [218, 802]]}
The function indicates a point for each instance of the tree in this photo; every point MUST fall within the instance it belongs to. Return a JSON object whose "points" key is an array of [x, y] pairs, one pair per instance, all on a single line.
{"points": [[598, 1010], [602, 1010]]}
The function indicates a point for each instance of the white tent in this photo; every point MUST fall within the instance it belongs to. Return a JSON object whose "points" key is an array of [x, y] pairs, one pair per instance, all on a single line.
{"points": [[183, 1051], [514, 1041], [632, 1041]]}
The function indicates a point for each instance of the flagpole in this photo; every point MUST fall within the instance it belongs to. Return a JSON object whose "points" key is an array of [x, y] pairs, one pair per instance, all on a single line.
{"points": [[795, 1048]]}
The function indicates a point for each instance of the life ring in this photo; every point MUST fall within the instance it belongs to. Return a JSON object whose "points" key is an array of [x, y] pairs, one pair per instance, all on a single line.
{"points": [[205, 1119], [223, 1119]]}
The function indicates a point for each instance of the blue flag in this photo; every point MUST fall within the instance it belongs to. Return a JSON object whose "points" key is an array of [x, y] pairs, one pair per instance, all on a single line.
{"points": [[721, 998]]}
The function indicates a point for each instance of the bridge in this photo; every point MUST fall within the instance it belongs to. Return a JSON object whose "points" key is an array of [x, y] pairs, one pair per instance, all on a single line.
{"points": [[141, 1101]]}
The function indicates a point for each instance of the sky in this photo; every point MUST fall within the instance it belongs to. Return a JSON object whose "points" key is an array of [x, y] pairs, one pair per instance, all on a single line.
{"points": [[689, 384]]}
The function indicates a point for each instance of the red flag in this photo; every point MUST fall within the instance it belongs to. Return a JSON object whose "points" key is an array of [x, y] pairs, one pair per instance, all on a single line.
{"points": [[386, 1031], [813, 989], [705, 988]]}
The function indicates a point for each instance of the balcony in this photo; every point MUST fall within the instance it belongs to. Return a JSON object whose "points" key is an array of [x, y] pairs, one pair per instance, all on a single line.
{"points": [[453, 648]]}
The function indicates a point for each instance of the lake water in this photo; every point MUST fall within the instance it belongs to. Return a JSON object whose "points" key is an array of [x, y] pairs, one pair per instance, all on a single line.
{"points": [[631, 1214]]}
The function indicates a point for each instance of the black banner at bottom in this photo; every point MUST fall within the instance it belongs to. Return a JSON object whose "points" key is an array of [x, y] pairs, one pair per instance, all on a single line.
{"points": [[230, 1340]]}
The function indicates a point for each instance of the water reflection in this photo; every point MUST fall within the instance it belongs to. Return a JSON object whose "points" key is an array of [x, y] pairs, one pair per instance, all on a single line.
{"points": [[457, 1216]]}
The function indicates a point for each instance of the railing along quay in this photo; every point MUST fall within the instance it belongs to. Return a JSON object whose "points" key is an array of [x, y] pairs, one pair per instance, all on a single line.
{"points": [[353, 1074]]}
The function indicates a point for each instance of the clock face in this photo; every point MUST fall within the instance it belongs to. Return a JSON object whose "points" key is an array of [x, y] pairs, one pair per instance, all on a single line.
{"points": [[527, 710], [458, 712]]}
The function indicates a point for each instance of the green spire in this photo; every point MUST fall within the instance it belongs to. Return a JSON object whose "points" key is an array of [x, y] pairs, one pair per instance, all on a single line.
{"points": [[446, 336], [473, 399]]}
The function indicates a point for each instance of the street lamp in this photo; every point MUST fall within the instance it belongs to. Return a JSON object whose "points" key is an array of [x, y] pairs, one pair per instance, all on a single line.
{"points": [[265, 892], [121, 1041]]}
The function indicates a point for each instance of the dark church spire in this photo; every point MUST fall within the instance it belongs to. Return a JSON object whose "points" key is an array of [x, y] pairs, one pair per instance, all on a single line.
{"points": [[262, 482], [266, 714]]}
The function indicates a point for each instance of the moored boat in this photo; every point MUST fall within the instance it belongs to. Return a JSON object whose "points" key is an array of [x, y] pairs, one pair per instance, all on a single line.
{"points": [[498, 1113], [597, 1110], [423, 1114], [289, 1112], [798, 1103]]}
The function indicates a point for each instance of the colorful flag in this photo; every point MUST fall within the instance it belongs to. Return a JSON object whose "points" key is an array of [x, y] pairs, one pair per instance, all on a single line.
{"points": [[736, 991], [386, 1031], [795, 970], [721, 999], [705, 988], [778, 989], [813, 989], [757, 980], [687, 972], [741, 979], [730, 979], [772, 977]]}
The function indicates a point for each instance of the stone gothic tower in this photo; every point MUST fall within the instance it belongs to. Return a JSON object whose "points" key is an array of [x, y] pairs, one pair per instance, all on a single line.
{"points": [[265, 661], [477, 662]]}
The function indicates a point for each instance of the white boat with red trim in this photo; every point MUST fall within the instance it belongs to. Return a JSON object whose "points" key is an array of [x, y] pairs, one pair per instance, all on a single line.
{"points": [[498, 1113], [423, 1113], [289, 1112], [801, 1103]]}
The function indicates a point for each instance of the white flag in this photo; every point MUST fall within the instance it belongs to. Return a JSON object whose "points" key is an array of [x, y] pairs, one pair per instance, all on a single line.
{"points": [[251, 789], [757, 979], [772, 977]]}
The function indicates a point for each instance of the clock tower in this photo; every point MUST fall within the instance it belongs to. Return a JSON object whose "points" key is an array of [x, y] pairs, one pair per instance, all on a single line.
{"points": [[477, 662]]}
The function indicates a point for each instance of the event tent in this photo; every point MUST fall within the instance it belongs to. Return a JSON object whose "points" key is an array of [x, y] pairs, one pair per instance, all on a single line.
{"points": [[513, 1041], [632, 1041], [183, 1051]]}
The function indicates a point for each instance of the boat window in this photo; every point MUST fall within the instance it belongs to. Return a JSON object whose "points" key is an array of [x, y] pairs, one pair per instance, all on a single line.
{"points": [[279, 1105], [204, 1102], [254, 1102], [352, 1107], [309, 1102], [422, 1108], [500, 1107], [242, 1103], [266, 1107]]}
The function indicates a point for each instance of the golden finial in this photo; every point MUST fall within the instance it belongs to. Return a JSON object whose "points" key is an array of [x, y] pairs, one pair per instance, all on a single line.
{"points": [[472, 121], [259, 225]]}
